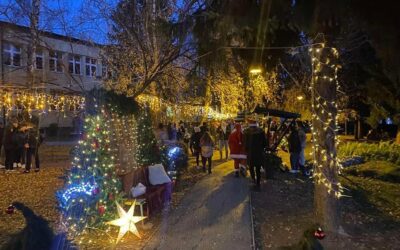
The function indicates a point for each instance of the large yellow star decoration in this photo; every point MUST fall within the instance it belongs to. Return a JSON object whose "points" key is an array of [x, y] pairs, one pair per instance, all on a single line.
{"points": [[126, 221]]}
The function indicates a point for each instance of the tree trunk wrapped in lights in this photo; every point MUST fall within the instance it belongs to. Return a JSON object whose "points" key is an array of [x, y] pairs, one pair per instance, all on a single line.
{"points": [[324, 89]]}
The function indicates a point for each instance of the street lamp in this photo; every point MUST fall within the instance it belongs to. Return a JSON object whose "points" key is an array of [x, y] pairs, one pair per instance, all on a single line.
{"points": [[255, 71]]}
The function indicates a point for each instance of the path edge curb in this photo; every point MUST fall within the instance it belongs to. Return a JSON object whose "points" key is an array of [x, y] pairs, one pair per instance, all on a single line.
{"points": [[253, 240]]}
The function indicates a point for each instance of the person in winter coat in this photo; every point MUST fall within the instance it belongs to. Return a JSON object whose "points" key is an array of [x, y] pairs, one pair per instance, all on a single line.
{"points": [[303, 141], [19, 160], [294, 144], [172, 132], [1, 134], [207, 150], [195, 144], [32, 143], [10, 144], [222, 140], [255, 142], [160, 134], [236, 146]]}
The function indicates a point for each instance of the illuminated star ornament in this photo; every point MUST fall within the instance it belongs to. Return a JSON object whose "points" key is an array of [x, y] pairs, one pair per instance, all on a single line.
{"points": [[126, 221]]}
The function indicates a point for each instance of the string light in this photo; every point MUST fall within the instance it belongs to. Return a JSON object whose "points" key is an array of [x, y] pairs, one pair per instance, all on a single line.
{"points": [[92, 184], [30, 101], [324, 113], [181, 111]]}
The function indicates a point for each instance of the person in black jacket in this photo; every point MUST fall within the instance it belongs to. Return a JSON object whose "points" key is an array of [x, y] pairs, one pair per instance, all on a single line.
{"points": [[1, 135], [32, 143], [294, 144], [10, 144], [195, 144], [19, 156], [255, 143]]}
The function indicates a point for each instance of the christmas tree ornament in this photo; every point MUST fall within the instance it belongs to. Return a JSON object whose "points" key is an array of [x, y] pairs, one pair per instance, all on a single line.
{"points": [[10, 209], [126, 221], [319, 234], [101, 209]]}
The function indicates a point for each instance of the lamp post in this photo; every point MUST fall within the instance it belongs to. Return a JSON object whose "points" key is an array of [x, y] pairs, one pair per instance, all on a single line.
{"points": [[253, 71]]}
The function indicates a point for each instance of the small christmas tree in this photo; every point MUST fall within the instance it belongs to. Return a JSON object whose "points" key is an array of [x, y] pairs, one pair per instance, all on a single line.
{"points": [[147, 152], [92, 187]]}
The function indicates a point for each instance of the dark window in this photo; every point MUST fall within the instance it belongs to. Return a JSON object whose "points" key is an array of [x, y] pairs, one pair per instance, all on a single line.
{"points": [[55, 61], [74, 65], [39, 60], [11, 54], [91, 66]]}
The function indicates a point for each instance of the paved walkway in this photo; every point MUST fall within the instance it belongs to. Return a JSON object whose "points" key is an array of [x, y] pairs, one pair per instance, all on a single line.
{"points": [[215, 214]]}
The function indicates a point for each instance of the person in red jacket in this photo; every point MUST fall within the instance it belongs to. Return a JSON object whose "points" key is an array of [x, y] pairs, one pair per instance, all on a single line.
{"points": [[236, 146]]}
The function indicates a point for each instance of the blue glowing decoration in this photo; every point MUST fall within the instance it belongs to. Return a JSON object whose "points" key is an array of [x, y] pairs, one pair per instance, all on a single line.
{"points": [[77, 191], [173, 152]]}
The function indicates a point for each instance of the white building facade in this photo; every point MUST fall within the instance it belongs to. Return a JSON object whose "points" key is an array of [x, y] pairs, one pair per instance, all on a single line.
{"points": [[61, 65]]}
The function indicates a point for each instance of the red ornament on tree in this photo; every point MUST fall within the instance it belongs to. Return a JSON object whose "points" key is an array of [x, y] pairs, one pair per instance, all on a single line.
{"points": [[101, 209], [10, 209], [110, 196], [319, 234], [95, 144]]}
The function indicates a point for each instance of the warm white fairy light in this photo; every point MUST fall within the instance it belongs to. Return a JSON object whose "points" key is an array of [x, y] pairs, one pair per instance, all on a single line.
{"points": [[97, 140], [321, 108], [30, 100], [182, 111]]}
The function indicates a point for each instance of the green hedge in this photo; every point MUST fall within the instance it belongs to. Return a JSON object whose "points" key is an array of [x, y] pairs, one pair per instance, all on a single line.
{"points": [[383, 151]]}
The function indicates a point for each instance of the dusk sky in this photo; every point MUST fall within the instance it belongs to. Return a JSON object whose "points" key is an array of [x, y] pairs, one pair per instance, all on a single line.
{"points": [[75, 18]]}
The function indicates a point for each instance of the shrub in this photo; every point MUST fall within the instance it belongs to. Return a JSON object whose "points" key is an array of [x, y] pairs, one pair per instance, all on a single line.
{"points": [[383, 151]]}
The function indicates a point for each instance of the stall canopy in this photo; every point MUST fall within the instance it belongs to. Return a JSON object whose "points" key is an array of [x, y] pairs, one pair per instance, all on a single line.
{"points": [[276, 113], [275, 137]]}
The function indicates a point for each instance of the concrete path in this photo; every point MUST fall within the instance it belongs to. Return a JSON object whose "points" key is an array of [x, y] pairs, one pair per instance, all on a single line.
{"points": [[215, 214]]}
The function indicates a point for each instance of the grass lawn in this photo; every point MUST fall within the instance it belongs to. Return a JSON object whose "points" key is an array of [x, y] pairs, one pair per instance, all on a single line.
{"points": [[376, 185], [284, 208]]}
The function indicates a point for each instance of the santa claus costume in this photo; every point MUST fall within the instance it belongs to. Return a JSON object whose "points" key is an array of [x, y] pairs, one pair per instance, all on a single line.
{"points": [[236, 146]]}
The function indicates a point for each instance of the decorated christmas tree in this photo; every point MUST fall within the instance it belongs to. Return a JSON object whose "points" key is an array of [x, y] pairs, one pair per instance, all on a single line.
{"points": [[147, 152], [92, 186]]}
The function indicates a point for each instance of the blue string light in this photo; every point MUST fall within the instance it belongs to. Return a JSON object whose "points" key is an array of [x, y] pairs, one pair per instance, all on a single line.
{"points": [[76, 191]]}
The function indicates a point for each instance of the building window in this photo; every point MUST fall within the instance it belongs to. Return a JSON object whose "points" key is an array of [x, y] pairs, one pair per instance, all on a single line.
{"points": [[39, 59], [74, 64], [91, 66], [103, 70], [55, 59], [11, 54]]}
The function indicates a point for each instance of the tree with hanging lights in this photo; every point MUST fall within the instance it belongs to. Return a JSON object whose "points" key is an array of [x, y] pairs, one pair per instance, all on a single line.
{"points": [[147, 152], [92, 187]]}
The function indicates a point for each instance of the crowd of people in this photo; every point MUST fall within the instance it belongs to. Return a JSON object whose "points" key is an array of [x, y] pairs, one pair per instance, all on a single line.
{"points": [[20, 142], [245, 143]]}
